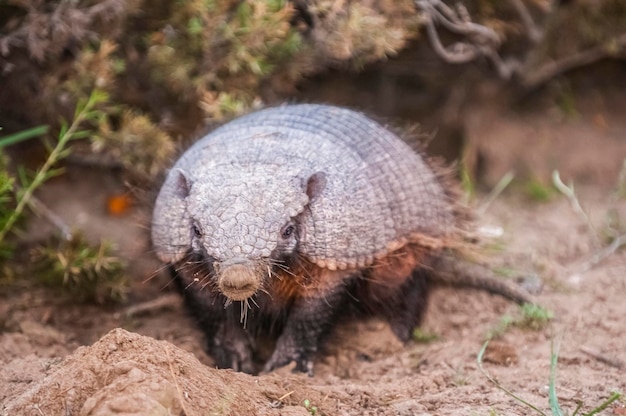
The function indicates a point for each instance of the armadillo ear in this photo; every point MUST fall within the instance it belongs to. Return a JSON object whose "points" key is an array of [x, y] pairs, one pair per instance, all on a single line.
{"points": [[315, 185], [171, 235], [182, 184]]}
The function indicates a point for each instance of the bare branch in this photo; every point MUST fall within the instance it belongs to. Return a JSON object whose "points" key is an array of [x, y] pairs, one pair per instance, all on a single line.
{"points": [[603, 254], [480, 40], [548, 71], [569, 192], [169, 301], [534, 34], [613, 362], [459, 53], [41, 209]]}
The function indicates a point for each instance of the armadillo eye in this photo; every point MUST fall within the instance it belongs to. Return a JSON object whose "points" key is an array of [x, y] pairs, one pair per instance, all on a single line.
{"points": [[288, 231], [197, 232]]}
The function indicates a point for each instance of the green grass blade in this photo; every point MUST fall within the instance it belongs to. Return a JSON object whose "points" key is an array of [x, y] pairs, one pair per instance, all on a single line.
{"points": [[502, 184], [23, 135], [614, 396], [59, 151], [579, 405], [553, 399]]}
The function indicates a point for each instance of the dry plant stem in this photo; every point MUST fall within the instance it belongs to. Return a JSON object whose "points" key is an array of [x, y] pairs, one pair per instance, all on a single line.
{"points": [[534, 34], [284, 396], [568, 191], [502, 184], [181, 396], [533, 79], [613, 362], [479, 361], [55, 155], [604, 253], [481, 41], [484, 38], [617, 242], [164, 302], [40, 208]]}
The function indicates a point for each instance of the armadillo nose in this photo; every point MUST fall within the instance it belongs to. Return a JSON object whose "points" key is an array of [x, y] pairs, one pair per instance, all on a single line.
{"points": [[238, 280]]}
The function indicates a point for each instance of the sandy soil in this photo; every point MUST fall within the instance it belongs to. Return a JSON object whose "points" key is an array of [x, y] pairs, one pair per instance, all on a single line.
{"points": [[53, 360]]}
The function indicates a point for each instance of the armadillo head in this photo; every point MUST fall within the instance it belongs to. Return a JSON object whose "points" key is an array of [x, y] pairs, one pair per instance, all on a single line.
{"points": [[239, 218]]}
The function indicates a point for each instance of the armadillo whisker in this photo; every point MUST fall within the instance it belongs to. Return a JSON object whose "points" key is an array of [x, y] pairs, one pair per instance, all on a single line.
{"points": [[254, 301], [155, 273], [244, 312], [284, 268], [190, 284]]}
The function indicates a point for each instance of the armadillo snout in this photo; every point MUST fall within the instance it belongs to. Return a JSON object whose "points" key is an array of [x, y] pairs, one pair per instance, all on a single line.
{"points": [[238, 280]]}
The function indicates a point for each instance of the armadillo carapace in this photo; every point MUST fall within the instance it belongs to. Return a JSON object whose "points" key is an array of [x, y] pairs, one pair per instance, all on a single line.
{"points": [[279, 221]]}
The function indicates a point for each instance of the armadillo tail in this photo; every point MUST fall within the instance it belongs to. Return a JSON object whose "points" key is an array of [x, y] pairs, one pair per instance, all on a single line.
{"points": [[457, 272]]}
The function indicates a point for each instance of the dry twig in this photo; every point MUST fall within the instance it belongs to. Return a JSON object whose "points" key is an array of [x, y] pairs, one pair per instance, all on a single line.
{"points": [[40, 208], [569, 192], [613, 362], [181, 395], [479, 40], [604, 253], [616, 48], [170, 301]]}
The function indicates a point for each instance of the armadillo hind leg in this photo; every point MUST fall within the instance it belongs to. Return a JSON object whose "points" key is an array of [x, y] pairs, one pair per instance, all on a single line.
{"points": [[452, 271], [405, 310], [309, 320]]}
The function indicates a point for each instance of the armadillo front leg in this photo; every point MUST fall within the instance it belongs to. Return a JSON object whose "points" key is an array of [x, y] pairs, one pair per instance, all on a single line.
{"points": [[309, 320], [227, 341], [231, 347]]}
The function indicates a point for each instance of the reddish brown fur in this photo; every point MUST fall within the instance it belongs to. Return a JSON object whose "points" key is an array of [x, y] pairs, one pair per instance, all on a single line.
{"points": [[394, 269], [304, 279], [382, 279]]}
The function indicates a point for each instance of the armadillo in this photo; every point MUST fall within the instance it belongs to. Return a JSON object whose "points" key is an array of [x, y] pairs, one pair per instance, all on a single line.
{"points": [[277, 222]]}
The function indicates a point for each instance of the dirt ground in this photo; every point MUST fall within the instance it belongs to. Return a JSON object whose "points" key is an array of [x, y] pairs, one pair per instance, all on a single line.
{"points": [[58, 358]]}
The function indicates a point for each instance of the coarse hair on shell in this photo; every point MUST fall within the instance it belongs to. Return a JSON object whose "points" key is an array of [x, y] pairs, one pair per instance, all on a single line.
{"points": [[376, 196]]}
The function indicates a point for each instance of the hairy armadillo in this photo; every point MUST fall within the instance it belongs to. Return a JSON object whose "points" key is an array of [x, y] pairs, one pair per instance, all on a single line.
{"points": [[276, 221]]}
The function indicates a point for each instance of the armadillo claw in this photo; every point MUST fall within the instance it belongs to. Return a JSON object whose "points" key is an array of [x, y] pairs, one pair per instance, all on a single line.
{"points": [[235, 354], [304, 364]]}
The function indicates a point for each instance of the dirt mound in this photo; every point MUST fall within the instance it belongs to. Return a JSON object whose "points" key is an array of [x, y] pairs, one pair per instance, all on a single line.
{"points": [[127, 374]]}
